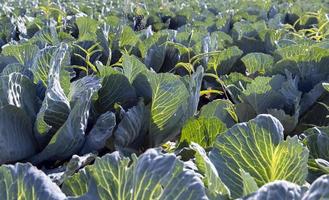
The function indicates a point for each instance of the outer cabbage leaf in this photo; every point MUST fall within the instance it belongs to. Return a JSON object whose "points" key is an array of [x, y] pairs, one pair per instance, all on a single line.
{"points": [[310, 98], [58, 175], [263, 94], [215, 187], [172, 101], [193, 85], [249, 37], [236, 82], [288, 121], [6, 60], [224, 61], [43, 62], [130, 127], [290, 51], [326, 86], [278, 96], [87, 28], [156, 51], [116, 88], [79, 86], [24, 53], [128, 37], [55, 106], [152, 176], [319, 189], [202, 131], [309, 63], [260, 95], [244, 112], [70, 137], [17, 90], [16, 67], [168, 106], [103, 39], [16, 136], [7, 29], [257, 62], [100, 133], [249, 183], [222, 109], [315, 115], [47, 35], [323, 165], [171, 59], [24, 181], [131, 67], [277, 190], [258, 148], [217, 40], [317, 141]]}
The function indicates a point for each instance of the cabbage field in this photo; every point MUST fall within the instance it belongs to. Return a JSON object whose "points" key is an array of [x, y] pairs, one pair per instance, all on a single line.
{"points": [[164, 99]]}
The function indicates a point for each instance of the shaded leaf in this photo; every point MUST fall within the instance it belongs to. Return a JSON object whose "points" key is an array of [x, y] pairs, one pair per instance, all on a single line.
{"points": [[16, 136], [130, 126], [100, 133]]}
